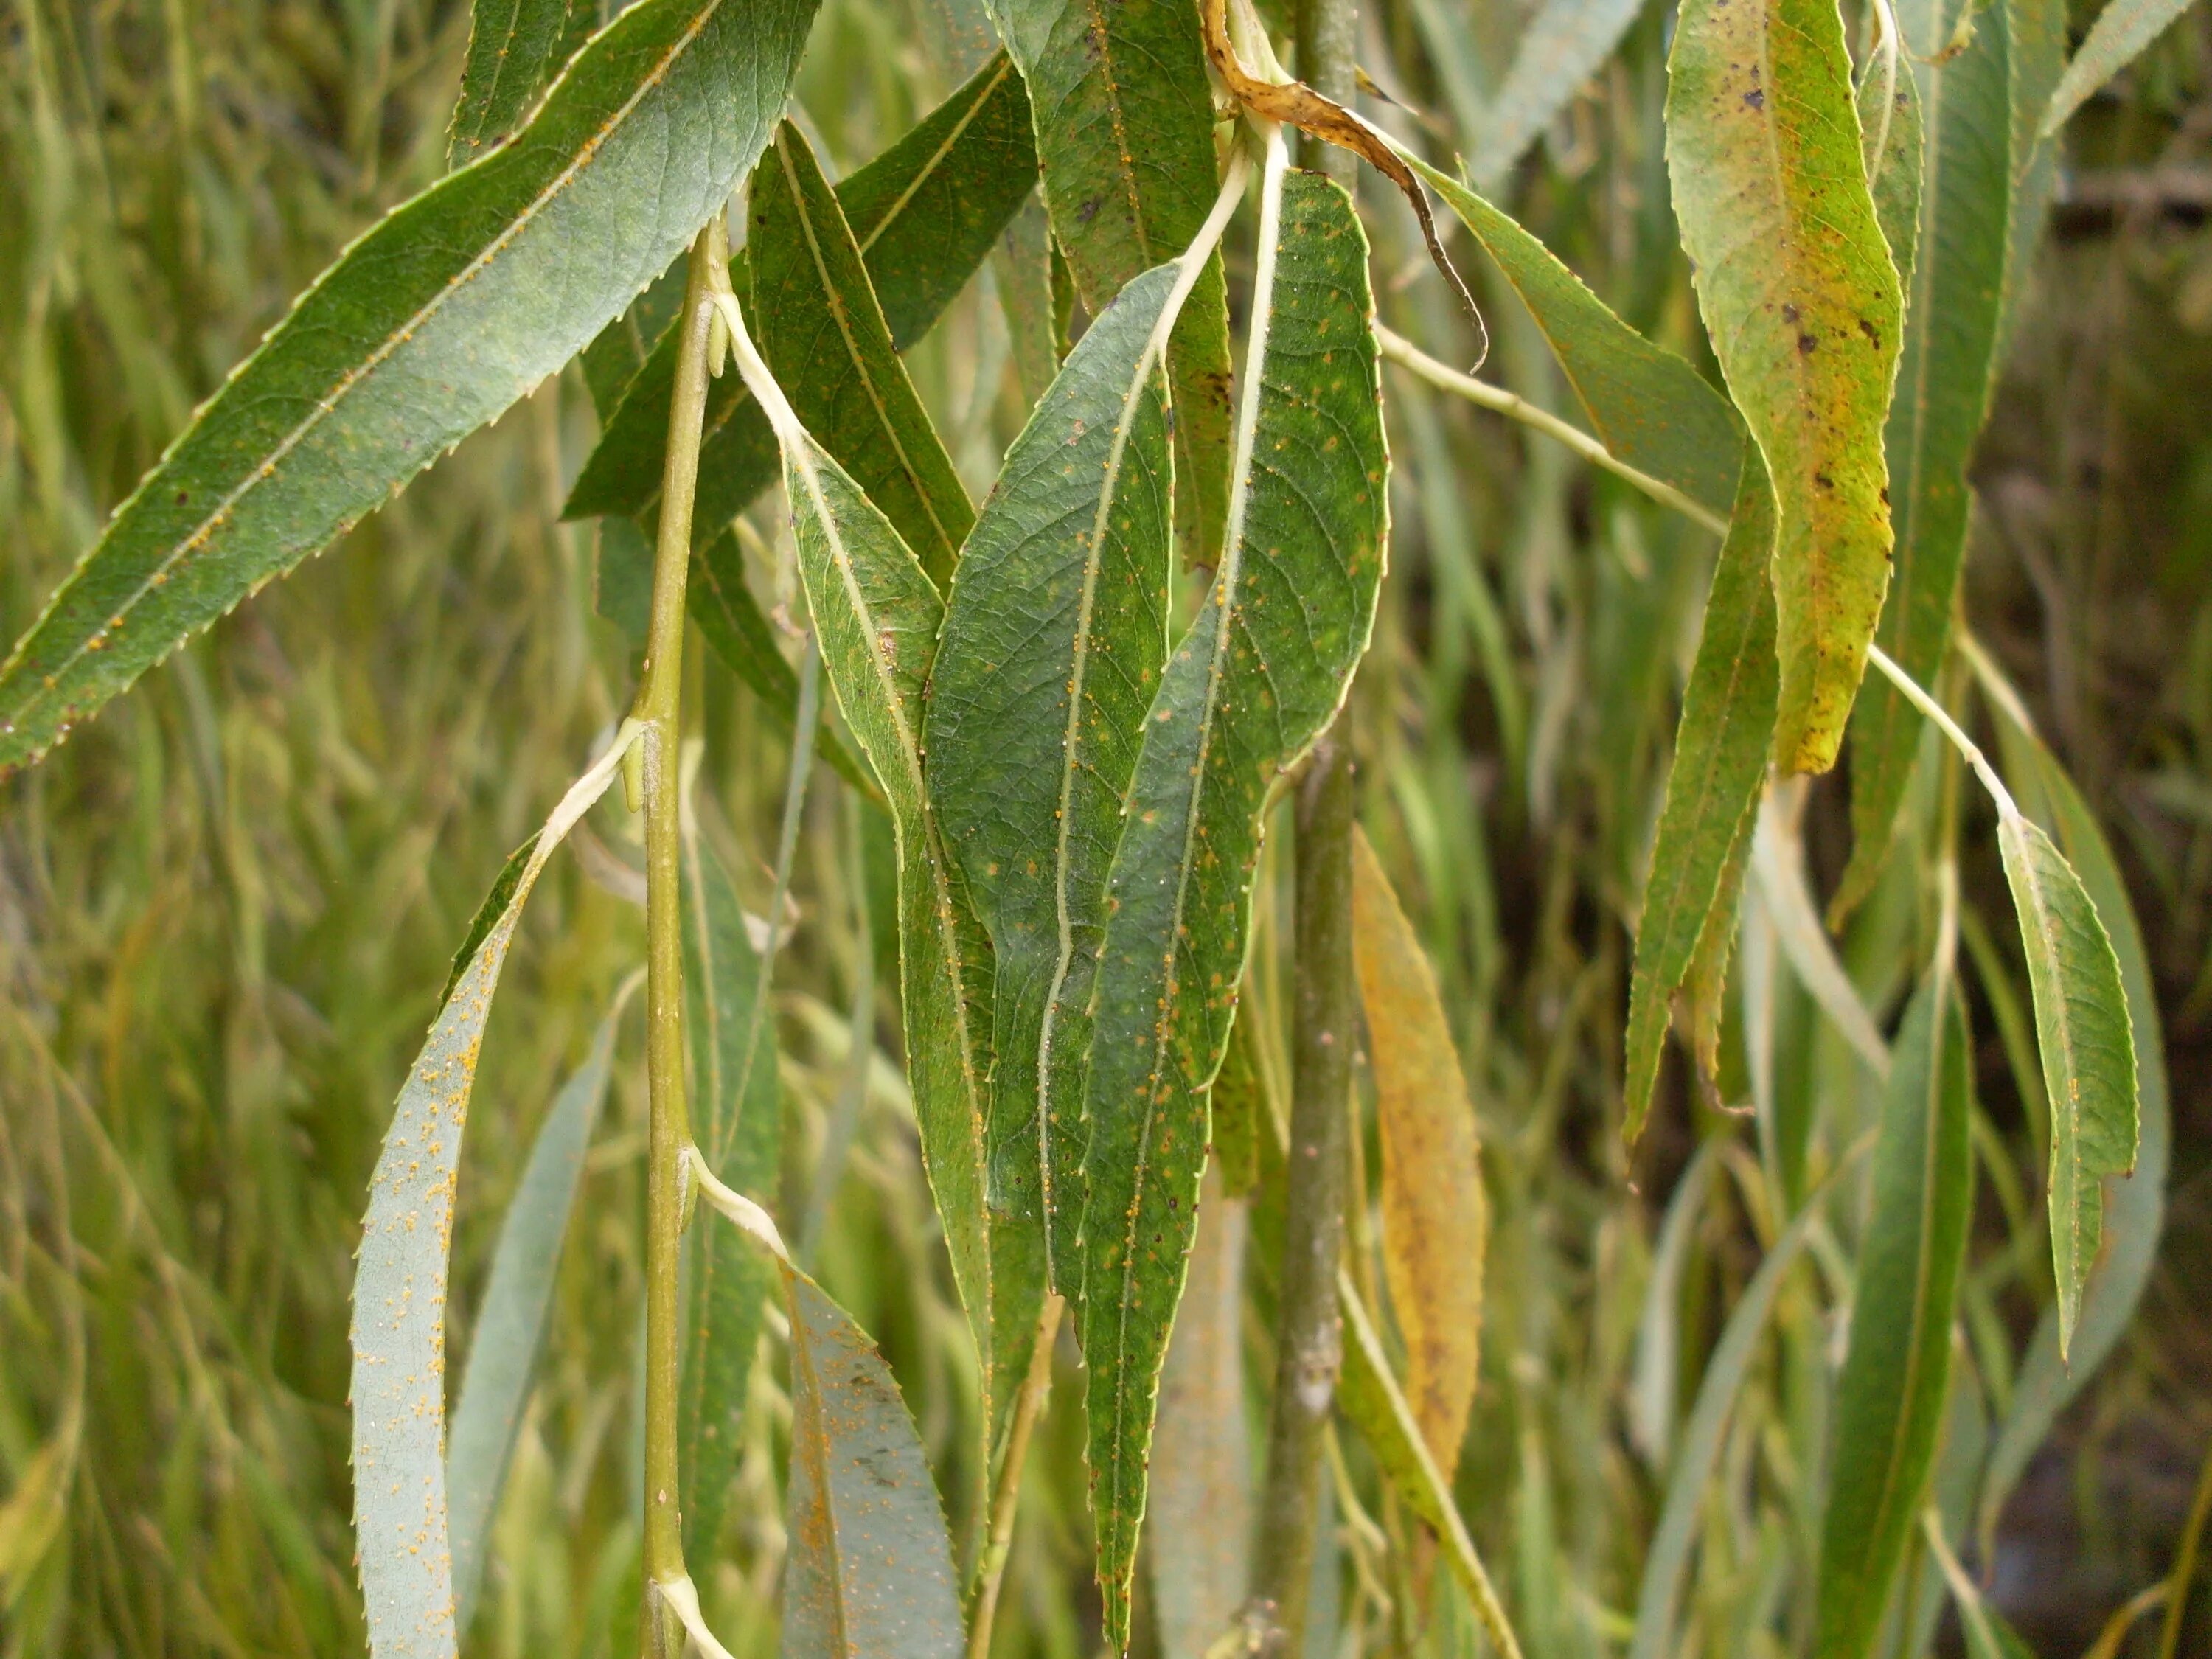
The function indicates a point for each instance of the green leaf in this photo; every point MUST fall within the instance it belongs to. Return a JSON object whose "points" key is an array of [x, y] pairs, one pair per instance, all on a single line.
{"points": [[1054, 637], [488, 914], [1802, 304], [1648, 406], [443, 315], [736, 1107], [925, 212], [1260, 674], [2135, 1209], [398, 1334], [1892, 131], [822, 333], [1890, 1400], [1714, 784], [1945, 376], [2087, 1043], [1562, 45], [870, 1567], [2123, 30], [2038, 29], [515, 47], [1125, 129], [510, 1326]]}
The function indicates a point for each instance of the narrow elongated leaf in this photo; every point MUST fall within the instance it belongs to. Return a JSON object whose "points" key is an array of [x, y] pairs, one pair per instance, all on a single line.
{"points": [[925, 213], [1052, 642], [1944, 380], [822, 331], [1777, 860], [1892, 131], [511, 1324], [736, 1108], [1202, 1474], [1125, 130], [1651, 1402], [1562, 45], [1259, 677], [398, 1335], [1802, 304], [870, 1568], [1435, 1217], [1890, 1401], [1649, 406], [434, 322], [2087, 1043], [514, 47], [2038, 29], [2136, 1208], [1713, 785], [2122, 32]]}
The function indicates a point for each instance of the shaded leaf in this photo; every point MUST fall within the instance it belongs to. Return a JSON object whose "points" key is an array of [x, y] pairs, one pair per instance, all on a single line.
{"points": [[1240, 1113], [1890, 1400], [1945, 376], [870, 1568], [1650, 408], [1658, 1363], [432, 324], [1259, 675], [1778, 859], [399, 1333], [1803, 306], [515, 47], [2088, 1044], [510, 1326], [820, 328], [1562, 45], [1893, 133], [1124, 121], [1435, 1217], [2123, 29], [1700, 998], [1713, 785], [2038, 32]]}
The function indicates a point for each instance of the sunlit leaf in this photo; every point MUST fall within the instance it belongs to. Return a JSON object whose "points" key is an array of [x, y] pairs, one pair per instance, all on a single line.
{"points": [[1563, 44], [1436, 1218], [2122, 30], [443, 315], [1890, 1400], [1713, 785], [1259, 675], [515, 45], [1803, 306]]}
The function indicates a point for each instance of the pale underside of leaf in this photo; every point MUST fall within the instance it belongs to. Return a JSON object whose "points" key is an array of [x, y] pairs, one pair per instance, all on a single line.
{"points": [[1562, 45]]}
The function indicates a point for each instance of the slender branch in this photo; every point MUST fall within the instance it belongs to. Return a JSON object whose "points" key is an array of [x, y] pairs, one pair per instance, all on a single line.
{"points": [[1408, 355], [658, 714], [1007, 1500]]}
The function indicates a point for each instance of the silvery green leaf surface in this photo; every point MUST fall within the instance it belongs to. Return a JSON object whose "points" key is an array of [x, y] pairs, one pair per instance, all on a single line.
{"points": [[1564, 43]]}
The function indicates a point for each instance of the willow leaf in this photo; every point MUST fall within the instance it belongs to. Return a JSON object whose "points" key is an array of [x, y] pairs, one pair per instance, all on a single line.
{"points": [[2038, 32], [431, 324], [1125, 130], [1562, 45], [1649, 405], [737, 1120], [398, 1334], [1890, 1400], [1713, 785], [1944, 380], [925, 212], [870, 1568], [510, 1326], [1054, 637], [515, 47], [1436, 1220], [1259, 677], [2122, 32], [1802, 304], [1892, 131], [2087, 1043]]}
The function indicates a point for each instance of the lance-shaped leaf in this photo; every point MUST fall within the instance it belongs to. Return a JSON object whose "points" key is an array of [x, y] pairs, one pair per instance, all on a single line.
{"points": [[434, 322], [1712, 787], [1436, 1218], [1650, 408], [515, 47], [870, 1568], [2088, 1044], [399, 1335], [737, 1121], [1125, 130], [1943, 383], [2038, 33], [925, 213], [1893, 133], [1890, 1401], [819, 326], [1054, 637], [1562, 46], [1798, 293], [1258, 677], [511, 1324], [2118, 37]]}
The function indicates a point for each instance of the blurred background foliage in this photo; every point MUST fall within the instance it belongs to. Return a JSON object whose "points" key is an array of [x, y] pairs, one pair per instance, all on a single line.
{"points": [[226, 908]]}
